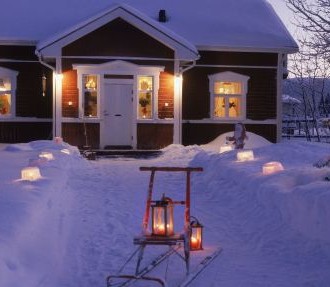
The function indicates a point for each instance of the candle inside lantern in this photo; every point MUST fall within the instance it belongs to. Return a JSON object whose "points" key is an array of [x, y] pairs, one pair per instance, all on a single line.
{"points": [[245, 155], [196, 237], [30, 173], [162, 217], [272, 167]]}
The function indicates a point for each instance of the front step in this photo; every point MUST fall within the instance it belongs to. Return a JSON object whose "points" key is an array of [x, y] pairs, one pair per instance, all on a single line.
{"points": [[118, 153]]}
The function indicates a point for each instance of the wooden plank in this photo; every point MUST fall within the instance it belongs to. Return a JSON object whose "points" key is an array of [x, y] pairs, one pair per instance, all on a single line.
{"points": [[168, 168]]}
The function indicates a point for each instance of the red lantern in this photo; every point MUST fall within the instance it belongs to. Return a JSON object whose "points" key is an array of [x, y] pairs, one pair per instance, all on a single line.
{"points": [[162, 217], [196, 237]]}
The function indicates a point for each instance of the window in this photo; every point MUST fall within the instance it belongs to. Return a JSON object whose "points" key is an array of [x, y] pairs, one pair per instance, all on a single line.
{"points": [[228, 95], [7, 92], [90, 95], [145, 97]]}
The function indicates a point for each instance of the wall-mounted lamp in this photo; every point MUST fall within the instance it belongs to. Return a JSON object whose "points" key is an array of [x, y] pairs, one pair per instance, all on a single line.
{"points": [[70, 103], [43, 83]]}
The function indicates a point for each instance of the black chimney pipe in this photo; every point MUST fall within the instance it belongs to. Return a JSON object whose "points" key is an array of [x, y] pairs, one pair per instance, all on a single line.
{"points": [[162, 16]]}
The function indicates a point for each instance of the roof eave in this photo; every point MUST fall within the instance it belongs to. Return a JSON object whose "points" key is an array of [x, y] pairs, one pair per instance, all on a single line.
{"points": [[276, 50]]}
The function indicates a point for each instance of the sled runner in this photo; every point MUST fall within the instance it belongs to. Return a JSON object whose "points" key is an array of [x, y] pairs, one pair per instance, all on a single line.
{"points": [[159, 213]]}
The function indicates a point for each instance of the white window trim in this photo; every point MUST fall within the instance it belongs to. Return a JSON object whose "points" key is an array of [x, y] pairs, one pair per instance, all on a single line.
{"points": [[12, 75], [228, 77]]}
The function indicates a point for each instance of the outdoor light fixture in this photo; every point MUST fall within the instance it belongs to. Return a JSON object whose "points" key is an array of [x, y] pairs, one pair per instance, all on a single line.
{"points": [[196, 237], [43, 83], [225, 148], [30, 173], [272, 167], [245, 155], [46, 155], [162, 217]]}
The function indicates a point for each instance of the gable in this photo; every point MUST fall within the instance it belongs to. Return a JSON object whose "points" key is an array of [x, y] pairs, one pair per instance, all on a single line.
{"points": [[184, 50], [118, 38]]}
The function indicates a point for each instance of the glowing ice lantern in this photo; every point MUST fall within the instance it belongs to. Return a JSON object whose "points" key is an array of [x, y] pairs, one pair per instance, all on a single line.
{"points": [[162, 217], [65, 150], [272, 167], [30, 173], [225, 148], [245, 155], [46, 155]]}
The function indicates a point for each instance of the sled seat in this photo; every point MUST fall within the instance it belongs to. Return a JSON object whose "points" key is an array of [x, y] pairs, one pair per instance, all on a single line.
{"points": [[158, 240]]}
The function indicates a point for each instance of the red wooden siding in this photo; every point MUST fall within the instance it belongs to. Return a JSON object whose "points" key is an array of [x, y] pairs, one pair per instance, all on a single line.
{"points": [[118, 38], [166, 96], [17, 132], [205, 133], [70, 94], [29, 99], [154, 136], [261, 96], [237, 58], [74, 134]]}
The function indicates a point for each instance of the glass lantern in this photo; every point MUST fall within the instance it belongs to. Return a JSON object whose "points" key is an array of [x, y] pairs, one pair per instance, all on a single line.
{"points": [[196, 237], [162, 217]]}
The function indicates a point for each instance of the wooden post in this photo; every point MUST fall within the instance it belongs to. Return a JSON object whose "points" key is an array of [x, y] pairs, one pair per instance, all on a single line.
{"points": [[149, 197]]}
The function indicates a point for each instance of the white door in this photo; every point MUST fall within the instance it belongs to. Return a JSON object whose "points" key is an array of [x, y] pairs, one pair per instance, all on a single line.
{"points": [[117, 112]]}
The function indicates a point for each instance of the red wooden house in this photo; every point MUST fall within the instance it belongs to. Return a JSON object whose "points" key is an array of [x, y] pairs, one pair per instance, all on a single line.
{"points": [[141, 74]]}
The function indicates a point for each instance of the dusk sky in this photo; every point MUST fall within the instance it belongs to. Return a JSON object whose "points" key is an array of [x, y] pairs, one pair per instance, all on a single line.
{"points": [[284, 12]]}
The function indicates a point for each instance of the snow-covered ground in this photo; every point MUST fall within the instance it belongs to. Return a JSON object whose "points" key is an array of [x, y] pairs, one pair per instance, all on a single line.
{"points": [[76, 225]]}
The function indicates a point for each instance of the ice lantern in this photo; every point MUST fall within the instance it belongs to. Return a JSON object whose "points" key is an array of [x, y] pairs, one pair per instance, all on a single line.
{"points": [[272, 167], [30, 173], [162, 217], [46, 155], [245, 155], [225, 148], [196, 237]]}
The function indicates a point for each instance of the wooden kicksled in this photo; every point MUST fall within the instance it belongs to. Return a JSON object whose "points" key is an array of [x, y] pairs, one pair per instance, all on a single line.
{"points": [[160, 214]]}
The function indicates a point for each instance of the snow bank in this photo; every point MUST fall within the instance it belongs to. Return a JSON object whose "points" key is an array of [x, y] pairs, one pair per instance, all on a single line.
{"points": [[75, 226], [253, 141]]}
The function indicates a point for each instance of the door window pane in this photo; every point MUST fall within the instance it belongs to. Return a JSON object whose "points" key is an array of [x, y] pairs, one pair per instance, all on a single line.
{"points": [[90, 95], [145, 97]]}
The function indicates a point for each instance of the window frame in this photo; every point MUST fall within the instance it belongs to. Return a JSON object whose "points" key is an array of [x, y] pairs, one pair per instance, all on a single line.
{"points": [[12, 76], [228, 77]]}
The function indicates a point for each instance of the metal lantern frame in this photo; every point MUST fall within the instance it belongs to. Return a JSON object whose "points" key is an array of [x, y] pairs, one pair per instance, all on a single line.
{"points": [[162, 217], [196, 236]]}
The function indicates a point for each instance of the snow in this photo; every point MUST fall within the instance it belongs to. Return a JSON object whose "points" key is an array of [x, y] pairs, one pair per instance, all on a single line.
{"points": [[76, 225], [214, 24]]}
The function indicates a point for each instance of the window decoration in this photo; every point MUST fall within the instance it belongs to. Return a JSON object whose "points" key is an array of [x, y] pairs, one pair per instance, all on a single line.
{"points": [[145, 97], [5, 96], [228, 95], [90, 93]]}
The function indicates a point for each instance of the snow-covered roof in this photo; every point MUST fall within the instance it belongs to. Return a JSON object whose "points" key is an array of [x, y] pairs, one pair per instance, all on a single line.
{"points": [[208, 24]]}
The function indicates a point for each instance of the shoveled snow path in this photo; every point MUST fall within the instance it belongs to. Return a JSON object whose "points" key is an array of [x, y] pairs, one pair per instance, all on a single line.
{"points": [[106, 206]]}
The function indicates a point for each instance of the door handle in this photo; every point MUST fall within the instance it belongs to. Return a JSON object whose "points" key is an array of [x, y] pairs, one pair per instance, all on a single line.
{"points": [[118, 115]]}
